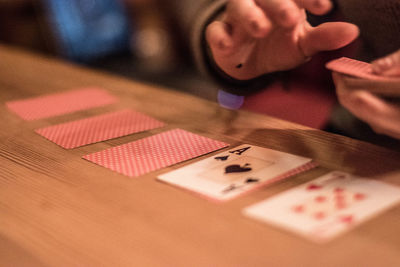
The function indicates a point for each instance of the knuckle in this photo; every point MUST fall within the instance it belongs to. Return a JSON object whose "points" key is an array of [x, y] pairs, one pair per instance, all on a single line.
{"points": [[282, 7], [249, 15], [343, 101], [378, 129], [396, 58]]}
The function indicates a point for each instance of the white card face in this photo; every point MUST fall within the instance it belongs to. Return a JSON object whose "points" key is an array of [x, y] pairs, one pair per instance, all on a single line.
{"points": [[238, 170], [327, 206]]}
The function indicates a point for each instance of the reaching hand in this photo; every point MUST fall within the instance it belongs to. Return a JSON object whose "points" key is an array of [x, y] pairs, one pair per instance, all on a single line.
{"points": [[382, 116], [255, 37]]}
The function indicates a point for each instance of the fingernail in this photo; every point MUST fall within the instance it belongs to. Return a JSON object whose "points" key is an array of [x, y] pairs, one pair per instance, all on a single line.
{"points": [[381, 65]]}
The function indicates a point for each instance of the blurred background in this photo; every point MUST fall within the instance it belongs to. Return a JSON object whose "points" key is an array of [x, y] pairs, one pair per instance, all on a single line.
{"points": [[140, 39]]}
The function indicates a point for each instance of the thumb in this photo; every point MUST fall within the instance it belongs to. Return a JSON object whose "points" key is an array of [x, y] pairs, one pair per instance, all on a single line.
{"points": [[328, 36], [388, 66]]}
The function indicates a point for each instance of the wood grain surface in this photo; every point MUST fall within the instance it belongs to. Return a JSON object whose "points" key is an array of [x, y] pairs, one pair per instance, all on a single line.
{"points": [[57, 209]]}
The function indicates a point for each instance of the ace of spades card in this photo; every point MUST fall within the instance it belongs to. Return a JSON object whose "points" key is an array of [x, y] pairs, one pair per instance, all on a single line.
{"points": [[327, 206], [236, 171]]}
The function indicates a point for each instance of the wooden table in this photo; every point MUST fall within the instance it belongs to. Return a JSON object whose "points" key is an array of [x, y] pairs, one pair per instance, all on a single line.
{"points": [[57, 209]]}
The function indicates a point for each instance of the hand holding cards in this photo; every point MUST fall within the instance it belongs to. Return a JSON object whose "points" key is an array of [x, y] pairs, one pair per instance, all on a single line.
{"points": [[363, 77]]}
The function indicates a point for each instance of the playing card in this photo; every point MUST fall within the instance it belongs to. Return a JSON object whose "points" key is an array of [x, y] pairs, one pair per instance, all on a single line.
{"points": [[356, 68], [326, 207], [236, 171], [155, 152], [60, 103], [99, 128]]}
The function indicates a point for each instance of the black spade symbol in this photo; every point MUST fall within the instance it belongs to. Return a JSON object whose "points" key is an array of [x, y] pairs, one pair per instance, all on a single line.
{"points": [[252, 180], [237, 168], [229, 188], [222, 158]]}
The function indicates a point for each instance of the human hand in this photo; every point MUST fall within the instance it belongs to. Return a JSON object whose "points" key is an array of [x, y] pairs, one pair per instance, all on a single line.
{"points": [[255, 37], [354, 95], [388, 66]]}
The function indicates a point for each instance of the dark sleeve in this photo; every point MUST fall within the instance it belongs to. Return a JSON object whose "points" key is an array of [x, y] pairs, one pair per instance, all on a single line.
{"points": [[205, 62]]}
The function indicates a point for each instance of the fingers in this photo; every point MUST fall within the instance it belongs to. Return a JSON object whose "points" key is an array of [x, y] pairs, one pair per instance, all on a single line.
{"points": [[284, 13], [316, 7], [328, 36], [219, 38], [258, 17], [247, 24], [388, 66], [287, 13], [383, 117], [229, 51], [247, 14], [244, 20]]}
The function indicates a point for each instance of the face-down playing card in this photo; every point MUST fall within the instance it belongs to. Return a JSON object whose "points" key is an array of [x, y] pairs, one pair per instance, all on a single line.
{"points": [[60, 103], [236, 171], [98, 128], [326, 207], [155, 152], [356, 68]]}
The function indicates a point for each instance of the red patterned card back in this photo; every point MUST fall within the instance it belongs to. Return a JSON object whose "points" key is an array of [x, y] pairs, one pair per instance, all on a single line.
{"points": [[60, 103], [155, 152], [99, 128]]}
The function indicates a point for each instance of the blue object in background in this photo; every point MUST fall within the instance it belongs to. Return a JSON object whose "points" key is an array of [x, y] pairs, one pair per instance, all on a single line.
{"points": [[230, 101], [89, 29]]}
